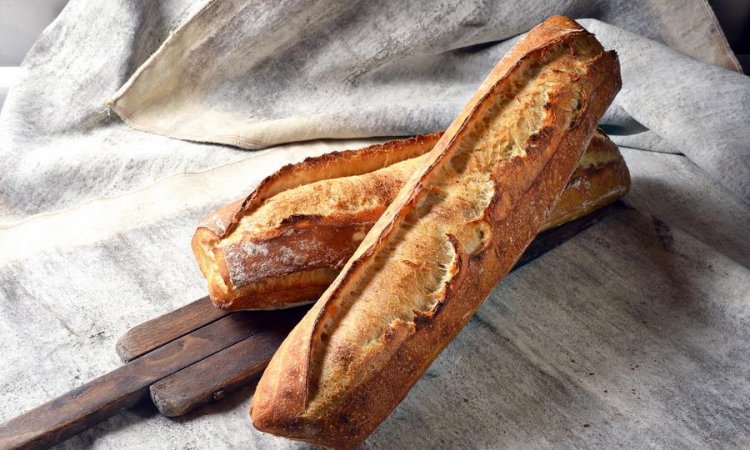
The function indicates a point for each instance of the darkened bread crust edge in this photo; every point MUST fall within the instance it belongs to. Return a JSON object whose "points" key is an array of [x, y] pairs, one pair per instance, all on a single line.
{"points": [[596, 182], [327, 166], [280, 405], [593, 185], [601, 178], [220, 224]]}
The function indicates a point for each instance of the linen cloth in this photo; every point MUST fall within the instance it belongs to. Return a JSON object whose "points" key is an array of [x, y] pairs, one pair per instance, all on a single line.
{"points": [[632, 334]]}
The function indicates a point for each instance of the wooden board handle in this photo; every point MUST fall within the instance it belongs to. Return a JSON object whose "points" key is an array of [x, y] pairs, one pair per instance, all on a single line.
{"points": [[164, 329], [221, 373], [103, 397]]}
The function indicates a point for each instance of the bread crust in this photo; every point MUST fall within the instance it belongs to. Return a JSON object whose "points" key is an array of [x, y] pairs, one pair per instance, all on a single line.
{"points": [[455, 229], [322, 243], [301, 253]]}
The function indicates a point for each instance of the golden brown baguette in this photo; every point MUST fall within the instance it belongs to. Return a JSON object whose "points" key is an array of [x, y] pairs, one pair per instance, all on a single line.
{"points": [[318, 234], [454, 230]]}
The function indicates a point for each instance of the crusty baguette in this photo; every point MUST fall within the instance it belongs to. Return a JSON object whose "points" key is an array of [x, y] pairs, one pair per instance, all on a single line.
{"points": [[289, 247], [453, 231]]}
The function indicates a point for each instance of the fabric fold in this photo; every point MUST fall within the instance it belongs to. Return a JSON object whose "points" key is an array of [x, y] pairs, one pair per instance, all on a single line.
{"points": [[236, 73]]}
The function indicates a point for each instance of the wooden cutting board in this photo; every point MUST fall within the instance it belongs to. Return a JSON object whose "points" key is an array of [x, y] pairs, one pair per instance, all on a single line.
{"points": [[192, 356]]}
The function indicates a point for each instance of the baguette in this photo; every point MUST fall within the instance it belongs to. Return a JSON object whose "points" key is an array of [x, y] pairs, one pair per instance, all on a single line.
{"points": [[457, 226], [245, 253]]}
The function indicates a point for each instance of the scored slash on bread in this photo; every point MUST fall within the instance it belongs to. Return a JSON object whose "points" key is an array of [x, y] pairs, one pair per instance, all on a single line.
{"points": [[286, 243], [456, 227], [293, 235]]}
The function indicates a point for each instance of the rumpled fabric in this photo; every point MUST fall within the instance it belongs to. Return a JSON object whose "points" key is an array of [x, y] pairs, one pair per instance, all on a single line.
{"points": [[133, 119]]}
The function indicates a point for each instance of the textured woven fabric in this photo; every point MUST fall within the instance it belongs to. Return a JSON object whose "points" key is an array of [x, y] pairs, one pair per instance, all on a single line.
{"points": [[632, 334]]}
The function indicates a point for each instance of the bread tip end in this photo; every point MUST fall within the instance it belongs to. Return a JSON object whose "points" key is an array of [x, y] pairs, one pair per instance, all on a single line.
{"points": [[562, 21]]}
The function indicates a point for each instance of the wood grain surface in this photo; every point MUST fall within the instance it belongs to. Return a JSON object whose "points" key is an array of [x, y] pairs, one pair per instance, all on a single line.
{"points": [[223, 372], [154, 333], [102, 397]]}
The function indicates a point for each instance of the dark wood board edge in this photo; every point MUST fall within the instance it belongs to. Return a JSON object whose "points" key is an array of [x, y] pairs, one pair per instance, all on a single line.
{"points": [[549, 239], [223, 372], [108, 394], [161, 330]]}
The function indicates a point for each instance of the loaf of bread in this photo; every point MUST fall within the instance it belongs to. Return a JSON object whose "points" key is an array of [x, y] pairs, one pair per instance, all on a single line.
{"points": [[456, 227], [285, 244]]}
